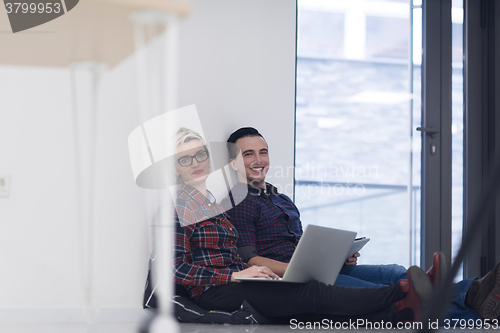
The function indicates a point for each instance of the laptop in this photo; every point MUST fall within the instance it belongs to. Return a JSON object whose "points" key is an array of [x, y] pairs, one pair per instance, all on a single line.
{"points": [[320, 255]]}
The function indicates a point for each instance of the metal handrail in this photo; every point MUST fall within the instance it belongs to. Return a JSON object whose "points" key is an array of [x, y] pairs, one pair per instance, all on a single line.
{"points": [[365, 185], [394, 188]]}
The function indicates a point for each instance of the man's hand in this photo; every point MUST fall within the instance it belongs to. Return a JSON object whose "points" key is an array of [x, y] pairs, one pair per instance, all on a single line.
{"points": [[254, 271], [352, 260]]}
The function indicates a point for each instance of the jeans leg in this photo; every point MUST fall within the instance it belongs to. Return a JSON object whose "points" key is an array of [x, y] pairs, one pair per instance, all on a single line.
{"points": [[377, 274], [458, 309]]}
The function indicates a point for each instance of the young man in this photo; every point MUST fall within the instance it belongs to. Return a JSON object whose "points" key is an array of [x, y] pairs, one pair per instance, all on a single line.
{"points": [[269, 229]]}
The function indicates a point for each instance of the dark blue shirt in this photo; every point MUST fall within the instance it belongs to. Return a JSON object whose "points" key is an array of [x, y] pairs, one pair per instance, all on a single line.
{"points": [[268, 222]]}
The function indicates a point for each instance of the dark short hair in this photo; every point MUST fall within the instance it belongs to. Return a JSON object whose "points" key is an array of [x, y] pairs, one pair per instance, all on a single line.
{"points": [[238, 134]]}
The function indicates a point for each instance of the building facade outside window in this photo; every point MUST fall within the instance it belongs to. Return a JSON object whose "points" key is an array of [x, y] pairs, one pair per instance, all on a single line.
{"points": [[358, 107]]}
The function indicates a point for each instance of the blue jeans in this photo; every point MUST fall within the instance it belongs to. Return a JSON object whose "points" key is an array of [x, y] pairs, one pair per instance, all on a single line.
{"points": [[386, 275]]}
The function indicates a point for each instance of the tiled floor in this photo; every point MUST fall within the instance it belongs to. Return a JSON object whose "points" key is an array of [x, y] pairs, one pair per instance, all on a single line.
{"points": [[166, 325], [70, 328], [181, 328]]}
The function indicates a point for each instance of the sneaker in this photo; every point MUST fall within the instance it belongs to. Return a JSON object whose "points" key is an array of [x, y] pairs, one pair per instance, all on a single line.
{"points": [[487, 299], [438, 270], [418, 288]]}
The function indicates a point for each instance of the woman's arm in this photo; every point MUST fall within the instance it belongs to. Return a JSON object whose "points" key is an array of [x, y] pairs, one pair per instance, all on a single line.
{"points": [[185, 272]]}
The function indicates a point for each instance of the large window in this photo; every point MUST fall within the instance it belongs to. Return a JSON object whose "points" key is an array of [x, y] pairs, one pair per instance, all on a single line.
{"points": [[358, 154], [356, 88]]}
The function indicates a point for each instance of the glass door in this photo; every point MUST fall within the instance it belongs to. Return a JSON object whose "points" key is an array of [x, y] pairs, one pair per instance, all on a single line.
{"points": [[358, 104]]}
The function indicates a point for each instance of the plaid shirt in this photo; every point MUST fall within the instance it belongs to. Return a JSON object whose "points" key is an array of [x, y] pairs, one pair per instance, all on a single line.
{"points": [[268, 222], [205, 252]]}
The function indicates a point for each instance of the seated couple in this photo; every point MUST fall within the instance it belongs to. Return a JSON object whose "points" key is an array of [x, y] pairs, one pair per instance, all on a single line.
{"points": [[258, 236]]}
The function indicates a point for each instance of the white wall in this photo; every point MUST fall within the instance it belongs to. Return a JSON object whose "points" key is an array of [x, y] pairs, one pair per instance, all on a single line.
{"points": [[38, 226], [41, 248], [237, 65]]}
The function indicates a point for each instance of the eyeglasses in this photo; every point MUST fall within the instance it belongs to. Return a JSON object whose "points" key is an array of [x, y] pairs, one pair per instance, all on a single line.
{"points": [[188, 160]]}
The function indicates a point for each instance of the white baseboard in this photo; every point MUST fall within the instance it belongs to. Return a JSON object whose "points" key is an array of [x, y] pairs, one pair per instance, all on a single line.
{"points": [[71, 315]]}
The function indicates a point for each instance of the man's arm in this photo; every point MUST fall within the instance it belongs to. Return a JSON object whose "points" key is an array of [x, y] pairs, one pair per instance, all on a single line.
{"points": [[277, 267]]}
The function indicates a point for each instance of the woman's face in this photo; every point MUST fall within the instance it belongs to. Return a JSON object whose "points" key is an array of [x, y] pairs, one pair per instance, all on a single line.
{"points": [[196, 172]]}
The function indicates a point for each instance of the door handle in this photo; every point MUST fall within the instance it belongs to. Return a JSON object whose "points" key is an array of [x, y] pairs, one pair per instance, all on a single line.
{"points": [[432, 132]]}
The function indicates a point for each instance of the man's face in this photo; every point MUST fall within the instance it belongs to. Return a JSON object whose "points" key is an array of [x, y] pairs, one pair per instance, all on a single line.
{"points": [[255, 164]]}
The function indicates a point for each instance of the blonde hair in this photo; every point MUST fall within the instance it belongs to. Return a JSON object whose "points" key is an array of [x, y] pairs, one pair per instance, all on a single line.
{"points": [[185, 135]]}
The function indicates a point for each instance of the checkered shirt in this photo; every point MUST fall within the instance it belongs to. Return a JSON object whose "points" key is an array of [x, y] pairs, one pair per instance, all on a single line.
{"points": [[261, 222], [205, 243]]}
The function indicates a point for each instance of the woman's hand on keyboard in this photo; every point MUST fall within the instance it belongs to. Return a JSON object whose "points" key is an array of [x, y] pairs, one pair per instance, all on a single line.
{"points": [[254, 271]]}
